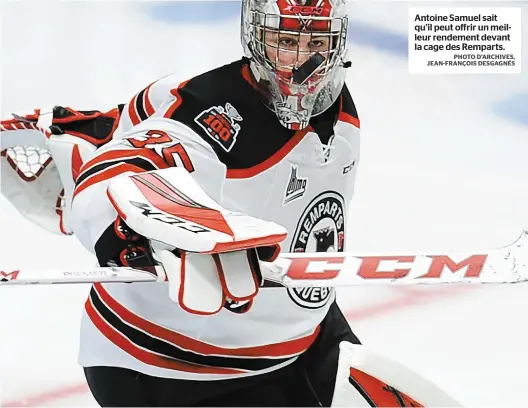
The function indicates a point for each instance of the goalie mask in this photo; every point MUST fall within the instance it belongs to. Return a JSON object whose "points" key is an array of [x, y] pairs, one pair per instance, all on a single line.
{"points": [[297, 50]]}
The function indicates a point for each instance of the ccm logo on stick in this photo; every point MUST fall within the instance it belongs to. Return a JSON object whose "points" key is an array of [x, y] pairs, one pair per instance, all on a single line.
{"points": [[7, 276], [383, 267]]}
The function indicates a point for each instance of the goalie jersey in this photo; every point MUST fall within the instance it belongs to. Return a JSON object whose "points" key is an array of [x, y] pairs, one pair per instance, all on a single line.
{"points": [[216, 126]]}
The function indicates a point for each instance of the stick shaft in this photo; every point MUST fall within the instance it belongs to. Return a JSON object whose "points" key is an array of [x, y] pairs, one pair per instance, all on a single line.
{"points": [[505, 265]]}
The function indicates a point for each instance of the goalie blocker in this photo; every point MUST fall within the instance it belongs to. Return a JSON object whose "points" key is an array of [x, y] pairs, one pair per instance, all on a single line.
{"points": [[209, 254]]}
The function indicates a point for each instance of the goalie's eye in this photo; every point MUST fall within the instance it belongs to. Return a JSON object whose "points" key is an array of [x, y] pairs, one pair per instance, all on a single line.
{"points": [[303, 44], [317, 44], [288, 43]]}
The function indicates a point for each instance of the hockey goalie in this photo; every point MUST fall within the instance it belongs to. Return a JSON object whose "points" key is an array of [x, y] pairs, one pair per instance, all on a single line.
{"points": [[209, 178]]}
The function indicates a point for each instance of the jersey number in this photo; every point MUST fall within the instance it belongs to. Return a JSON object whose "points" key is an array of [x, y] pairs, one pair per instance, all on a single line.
{"points": [[154, 137]]}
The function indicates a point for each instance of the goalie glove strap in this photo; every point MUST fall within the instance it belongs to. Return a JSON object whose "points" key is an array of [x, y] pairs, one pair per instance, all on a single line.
{"points": [[94, 126], [122, 246]]}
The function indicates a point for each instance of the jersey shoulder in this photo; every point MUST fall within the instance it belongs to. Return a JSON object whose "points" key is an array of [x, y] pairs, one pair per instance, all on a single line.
{"points": [[348, 112], [224, 109], [145, 103]]}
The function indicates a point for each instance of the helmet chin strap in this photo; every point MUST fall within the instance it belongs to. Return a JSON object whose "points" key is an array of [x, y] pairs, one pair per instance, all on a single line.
{"points": [[308, 68]]}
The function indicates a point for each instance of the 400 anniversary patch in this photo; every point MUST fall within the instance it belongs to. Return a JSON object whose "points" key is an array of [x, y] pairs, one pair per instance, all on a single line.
{"points": [[321, 228]]}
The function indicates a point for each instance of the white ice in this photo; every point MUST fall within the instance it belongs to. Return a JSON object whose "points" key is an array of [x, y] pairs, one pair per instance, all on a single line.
{"points": [[439, 171]]}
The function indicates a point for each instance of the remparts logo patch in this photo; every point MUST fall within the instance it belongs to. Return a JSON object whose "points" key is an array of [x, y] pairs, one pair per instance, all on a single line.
{"points": [[321, 228], [310, 298]]}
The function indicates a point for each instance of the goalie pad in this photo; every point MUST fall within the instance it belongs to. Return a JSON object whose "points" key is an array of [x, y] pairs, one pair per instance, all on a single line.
{"points": [[365, 379], [210, 254]]}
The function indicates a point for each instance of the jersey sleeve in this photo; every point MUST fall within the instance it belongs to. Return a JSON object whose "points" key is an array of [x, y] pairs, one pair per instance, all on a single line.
{"points": [[145, 103], [155, 143]]}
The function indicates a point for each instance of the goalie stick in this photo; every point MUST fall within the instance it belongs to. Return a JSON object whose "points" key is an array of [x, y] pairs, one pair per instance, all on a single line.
{"points": [[504, 265]]}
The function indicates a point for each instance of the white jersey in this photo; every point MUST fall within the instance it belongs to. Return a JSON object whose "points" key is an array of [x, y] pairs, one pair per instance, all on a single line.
{"points": [[216, 126]]}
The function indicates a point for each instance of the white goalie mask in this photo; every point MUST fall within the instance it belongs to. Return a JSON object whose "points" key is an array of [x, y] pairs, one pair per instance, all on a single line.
{"points": [[297, 50]]}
